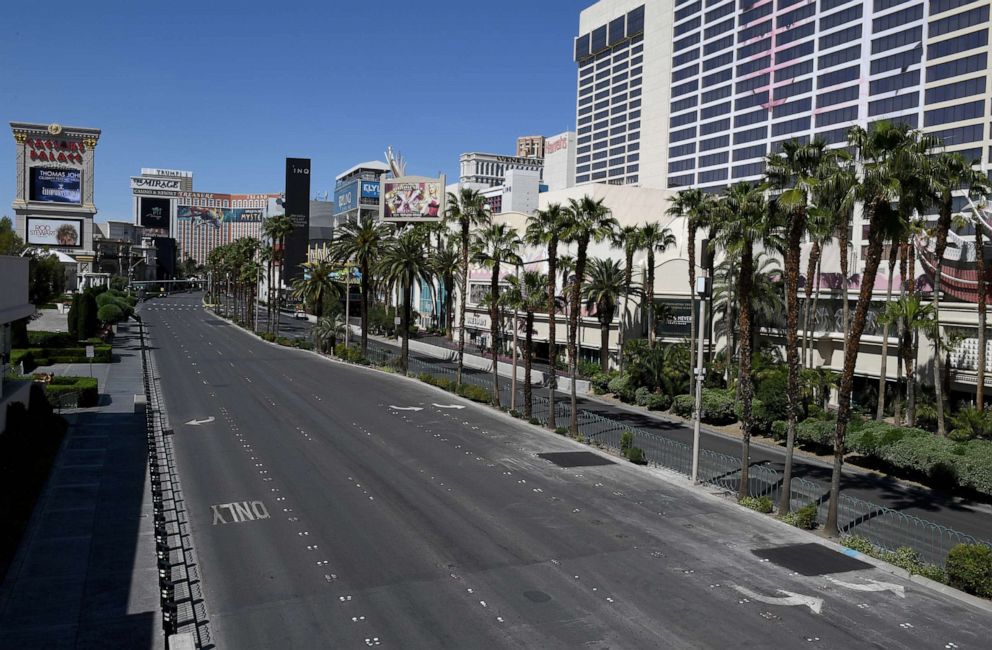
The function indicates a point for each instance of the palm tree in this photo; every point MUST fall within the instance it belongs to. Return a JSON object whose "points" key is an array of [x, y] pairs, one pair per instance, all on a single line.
{"points": [[495, 245], [687, 204], [266, 255], [526, 293], [878, 153], [627, 239], [767, 298], [465, 209], [589, 220], [361, 242], [948, 172], [604, 285], [327, 331], [447, 267], [316, 289], [976, 211], [916, 316], [653, 238], [544, 228], [276, 229], [883, 378], [795, 173], [404, 261], [745, 223]]}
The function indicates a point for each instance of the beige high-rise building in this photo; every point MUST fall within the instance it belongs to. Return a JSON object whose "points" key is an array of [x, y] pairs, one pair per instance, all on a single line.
{"points": [[530, 146]]}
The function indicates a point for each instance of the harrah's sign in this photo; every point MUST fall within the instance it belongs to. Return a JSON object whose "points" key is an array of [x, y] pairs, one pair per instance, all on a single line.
{"points": [[554, 146]]}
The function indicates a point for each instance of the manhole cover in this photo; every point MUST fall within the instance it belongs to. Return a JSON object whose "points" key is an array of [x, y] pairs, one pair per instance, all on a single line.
{"points": [[537, 596], [810, 559], [576, 459]]}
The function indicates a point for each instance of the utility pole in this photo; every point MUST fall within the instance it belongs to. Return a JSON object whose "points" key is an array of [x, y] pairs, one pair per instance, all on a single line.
{"points": [[513, 377], [702, 289], [347, 305]]}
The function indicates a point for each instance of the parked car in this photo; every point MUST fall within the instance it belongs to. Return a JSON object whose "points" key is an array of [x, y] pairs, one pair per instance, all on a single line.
{"points": [[300, 314]]}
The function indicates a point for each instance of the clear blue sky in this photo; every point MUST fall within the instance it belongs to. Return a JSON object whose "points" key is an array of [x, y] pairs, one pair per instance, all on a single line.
{"points": [[229, 89]]}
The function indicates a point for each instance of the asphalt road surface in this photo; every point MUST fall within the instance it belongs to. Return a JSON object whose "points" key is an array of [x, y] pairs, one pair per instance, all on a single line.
{"points": [[931, 505], [336, 506]]}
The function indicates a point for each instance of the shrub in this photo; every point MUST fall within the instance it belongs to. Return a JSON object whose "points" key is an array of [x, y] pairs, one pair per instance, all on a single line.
{"points": [[969, 568], [110, 314], [73, 318], [718, 406], [42, 339], [641, 396], [622, 387], [773, 394], [859, 543], [626, 441], [475, 393], [816, 432], [636, 456], [561, 431], [658, 402], [683, 405], [588, 368], [928, 455], [87, 324], [25, 356], [348, 353], [760, 504], [85, 388], [872, 437], [780, 430], [760, 418], [909, 559], [534, 421], [601, 383], [804, 517], [974, 465], [106, 298]]}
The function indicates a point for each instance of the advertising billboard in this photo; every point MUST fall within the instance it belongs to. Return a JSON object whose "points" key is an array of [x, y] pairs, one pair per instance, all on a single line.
{"points": [[154, 213], [142, 183], [412, 198], [298, 208], [370, 189], [55, 185], [217, 216], [346, 197], [63, 233]]}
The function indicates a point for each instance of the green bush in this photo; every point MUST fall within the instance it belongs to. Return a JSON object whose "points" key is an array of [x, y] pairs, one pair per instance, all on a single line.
{"points": [[588, 369], [761, 419], [110, 314], [534, 421], [804, 517], [87, 393], [475, 393], [718, 406], [561, 431], [969, 568], [352, 353], [636, 456], [974, 465], [931, 456], [816, 432], [780, 430], [860, 544], [601, 383], [872, 437], [622, 387], [42, 339], [909, 559], [683, 405], [87, 324], [106, 298], [626, 441], [760, 504], [772, 392], [641, 396], [25, 356], [73, 317], [658, 402]]}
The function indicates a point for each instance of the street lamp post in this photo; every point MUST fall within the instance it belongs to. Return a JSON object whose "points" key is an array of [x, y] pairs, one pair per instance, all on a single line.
{"points": [[513, 377], [347, 306], [702, 289]]}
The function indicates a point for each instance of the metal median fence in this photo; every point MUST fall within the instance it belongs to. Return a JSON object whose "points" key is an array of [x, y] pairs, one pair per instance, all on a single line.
{"points": [[886, 528]]}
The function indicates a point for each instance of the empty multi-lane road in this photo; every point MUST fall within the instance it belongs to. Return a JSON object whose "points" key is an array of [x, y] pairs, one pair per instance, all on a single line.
{"points": [[336, 506]]}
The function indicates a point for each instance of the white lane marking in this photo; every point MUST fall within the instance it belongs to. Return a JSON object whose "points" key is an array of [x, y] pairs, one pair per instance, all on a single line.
{"points": [[406, 408], [248, 379], [196, 423], [872, 585], [790, 599], [448, 406]]}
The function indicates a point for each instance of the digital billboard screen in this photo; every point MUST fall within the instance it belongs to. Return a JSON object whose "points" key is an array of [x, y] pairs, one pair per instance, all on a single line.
{"points": [[55, 185], [298, 209], [154, 213], [64, 233], [370, 189], [345, 198], [217, 216], [413, 199]]}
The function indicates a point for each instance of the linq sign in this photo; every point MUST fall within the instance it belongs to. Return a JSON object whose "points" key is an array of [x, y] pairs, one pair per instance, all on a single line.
{"points": [[56, 150]]}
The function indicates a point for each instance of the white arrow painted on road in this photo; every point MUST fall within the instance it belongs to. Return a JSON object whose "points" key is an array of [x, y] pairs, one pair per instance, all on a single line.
{"points": [[448, 406], [872, 585], [406, 408], [197, 423], [790, 599]]}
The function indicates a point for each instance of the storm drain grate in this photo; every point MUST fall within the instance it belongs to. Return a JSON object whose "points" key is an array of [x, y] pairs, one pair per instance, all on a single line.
{"points": [[810, 559], [576, 459]]}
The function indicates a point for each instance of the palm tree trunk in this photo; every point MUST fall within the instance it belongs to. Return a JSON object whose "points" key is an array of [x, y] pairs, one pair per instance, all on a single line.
{"points": [[982, 307], [943, 226], [365, 307], [797, 225], [900, 336], [604, 346], [845, 279], [816, 303], [650, 292], [872, 260], [573, 362], [913, 349], [814, 255], [883, 362], [462, 303], [494, 329], [528, 365], [693, 317], [552, 351], [449, 285], [627, 277], [405, 352], [744, 389]]}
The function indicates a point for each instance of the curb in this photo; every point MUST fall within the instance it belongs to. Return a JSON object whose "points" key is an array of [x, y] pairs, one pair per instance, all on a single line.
{"points": [[671, 477]]}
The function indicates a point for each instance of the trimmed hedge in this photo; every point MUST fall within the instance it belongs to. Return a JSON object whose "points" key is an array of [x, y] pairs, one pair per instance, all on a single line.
{"points": [[969, 568], [718, 406], [658, 402], [469, 391], [87, 392]]}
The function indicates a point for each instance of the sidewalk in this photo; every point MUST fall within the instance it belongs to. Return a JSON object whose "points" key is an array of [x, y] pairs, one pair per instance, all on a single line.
{"points": [[85, 575]]}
